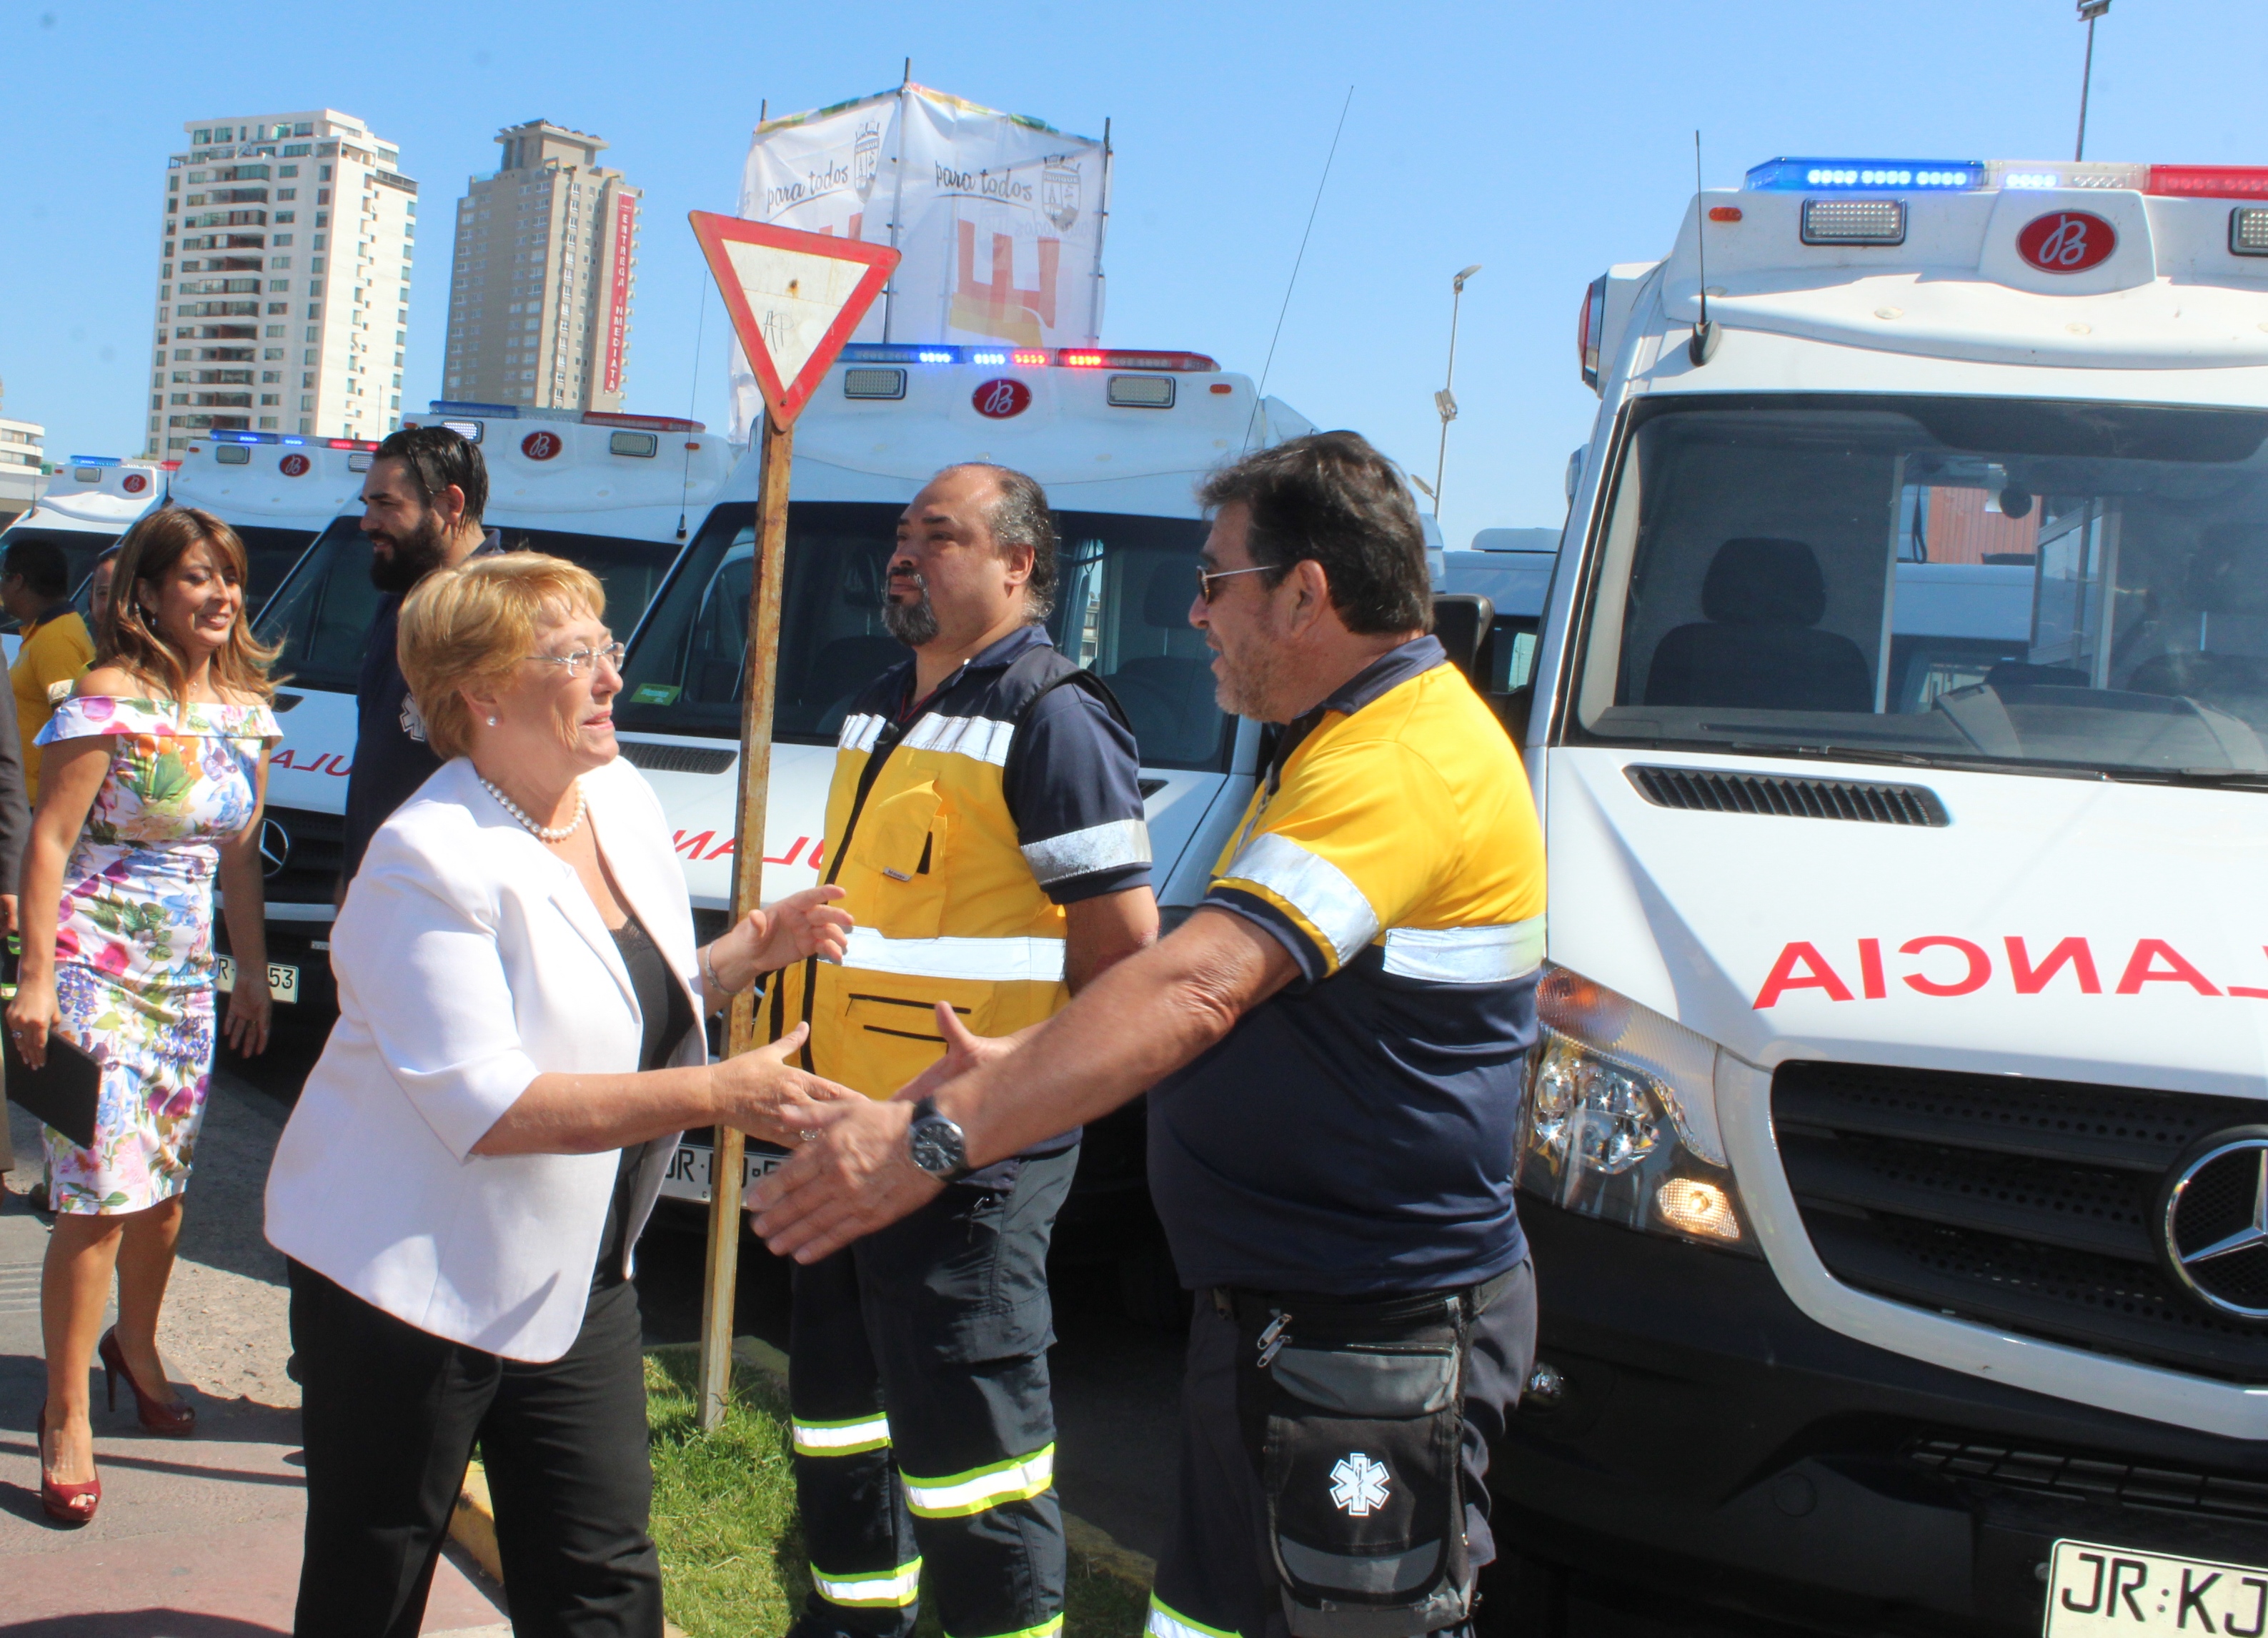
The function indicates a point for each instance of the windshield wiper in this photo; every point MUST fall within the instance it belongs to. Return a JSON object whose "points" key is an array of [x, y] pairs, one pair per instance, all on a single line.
{"points": [[2227, 778], [1915, 759]]}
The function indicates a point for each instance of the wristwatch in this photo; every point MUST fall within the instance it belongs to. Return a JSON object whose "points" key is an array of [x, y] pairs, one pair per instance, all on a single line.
{"points": [[936, 1145]]}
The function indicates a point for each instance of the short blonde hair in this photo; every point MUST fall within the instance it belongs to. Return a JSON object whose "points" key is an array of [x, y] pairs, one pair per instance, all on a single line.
{"points": [[467, 626]]}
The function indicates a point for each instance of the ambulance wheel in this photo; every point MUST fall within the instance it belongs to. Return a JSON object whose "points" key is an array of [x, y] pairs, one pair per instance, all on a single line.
{"points": [[1150, 1291]]}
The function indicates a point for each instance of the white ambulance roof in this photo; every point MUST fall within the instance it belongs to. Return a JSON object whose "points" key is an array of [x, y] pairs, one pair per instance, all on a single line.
{"points": [[2094, 266], [916, 410], [304, 482], [99, 494], [549, 469]]}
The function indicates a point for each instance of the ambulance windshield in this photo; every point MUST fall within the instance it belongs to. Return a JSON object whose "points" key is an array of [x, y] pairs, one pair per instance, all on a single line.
{"points": [[1960, 580], [1121, 605], [322, 614]]}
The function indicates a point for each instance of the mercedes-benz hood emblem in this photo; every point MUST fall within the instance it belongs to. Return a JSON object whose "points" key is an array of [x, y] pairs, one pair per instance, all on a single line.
{"points": [[275, 848], [2213, 1222]]}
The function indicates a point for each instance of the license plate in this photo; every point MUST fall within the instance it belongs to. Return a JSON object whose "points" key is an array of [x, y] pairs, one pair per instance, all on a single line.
{"points": [[689, 1175], [283, 978], [2094, 1590]]}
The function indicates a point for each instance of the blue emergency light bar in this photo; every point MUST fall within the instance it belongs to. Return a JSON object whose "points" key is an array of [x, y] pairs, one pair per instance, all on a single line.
{"points": [[1866, 176], [93, 461], [487, 412], [1027, 358]]}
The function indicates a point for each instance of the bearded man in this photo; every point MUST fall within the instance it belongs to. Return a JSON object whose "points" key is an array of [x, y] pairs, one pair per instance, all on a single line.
{"points": [[421, 502]]}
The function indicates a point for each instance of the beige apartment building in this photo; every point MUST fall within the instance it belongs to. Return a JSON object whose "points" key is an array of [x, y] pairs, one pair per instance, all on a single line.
{"points": [[284, 281], [545, 271]]}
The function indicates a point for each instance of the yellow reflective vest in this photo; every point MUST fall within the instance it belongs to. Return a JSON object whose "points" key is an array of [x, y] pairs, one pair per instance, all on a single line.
{"points": [[949, 895]]}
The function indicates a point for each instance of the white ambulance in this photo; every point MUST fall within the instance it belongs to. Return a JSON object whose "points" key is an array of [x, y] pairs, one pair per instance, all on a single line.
{"points": [[277, 491], [91, 501], [1120, 439], [619, 494], [1895, 1158]]}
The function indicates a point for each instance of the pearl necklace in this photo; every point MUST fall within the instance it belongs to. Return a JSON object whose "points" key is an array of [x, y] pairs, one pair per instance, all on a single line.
{"points": [[540, 832]]}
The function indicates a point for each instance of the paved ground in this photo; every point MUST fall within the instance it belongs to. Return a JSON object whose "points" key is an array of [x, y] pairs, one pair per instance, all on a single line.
{"points": [[196, 1538]]}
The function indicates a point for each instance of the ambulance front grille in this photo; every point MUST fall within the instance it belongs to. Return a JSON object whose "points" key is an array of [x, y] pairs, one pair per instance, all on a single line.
{"points": [[665, 758], [2027, 1205], [1716, 791]]}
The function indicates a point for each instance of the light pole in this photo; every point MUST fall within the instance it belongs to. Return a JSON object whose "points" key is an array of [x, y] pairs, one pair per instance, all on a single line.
{"points": [[2089, 11], [1445, 401]]}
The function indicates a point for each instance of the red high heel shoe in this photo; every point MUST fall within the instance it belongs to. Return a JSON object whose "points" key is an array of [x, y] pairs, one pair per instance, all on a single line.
{"points": [[66, 1504], [177, 1420]]}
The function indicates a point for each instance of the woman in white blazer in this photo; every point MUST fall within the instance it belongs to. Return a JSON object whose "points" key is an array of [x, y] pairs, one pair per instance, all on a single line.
{"points": [[462, 1182]]}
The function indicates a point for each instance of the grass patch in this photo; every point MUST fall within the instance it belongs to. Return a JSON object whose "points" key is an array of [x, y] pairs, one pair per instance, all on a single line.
{"points": [[733, 1562]]}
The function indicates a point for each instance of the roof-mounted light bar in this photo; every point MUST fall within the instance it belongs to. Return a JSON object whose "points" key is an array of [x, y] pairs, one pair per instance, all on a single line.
{"points": [[1866, 176], [94, 461], [1026, 358]]}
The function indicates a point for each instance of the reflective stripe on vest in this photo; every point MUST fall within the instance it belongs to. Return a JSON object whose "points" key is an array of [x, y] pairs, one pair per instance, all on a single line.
{"points": [[991, 961], [843, 1438], [1321, 892], [1466, 955], [1108, 846], [1017, 1480], [883, 1589]]}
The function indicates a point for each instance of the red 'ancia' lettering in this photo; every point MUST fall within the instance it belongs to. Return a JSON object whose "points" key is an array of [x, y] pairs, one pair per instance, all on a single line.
{"points": [[2142, 968], [2073, 953], [1980, 966], [1817, 974], [1870, 969]]}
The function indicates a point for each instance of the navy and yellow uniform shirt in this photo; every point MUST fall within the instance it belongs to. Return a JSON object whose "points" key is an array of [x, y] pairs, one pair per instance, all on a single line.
{"points": [[961, 826], [1354, 1135]]}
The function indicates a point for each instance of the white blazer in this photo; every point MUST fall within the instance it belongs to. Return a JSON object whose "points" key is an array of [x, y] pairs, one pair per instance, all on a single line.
{"points": [[470, 960]]}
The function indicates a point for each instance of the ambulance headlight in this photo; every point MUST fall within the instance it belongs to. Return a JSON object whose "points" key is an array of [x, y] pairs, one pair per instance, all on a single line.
{"points": [[1619, 1121]]}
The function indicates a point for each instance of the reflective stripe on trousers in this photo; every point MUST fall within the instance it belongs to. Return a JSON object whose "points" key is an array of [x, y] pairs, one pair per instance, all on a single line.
{"points": [[1017, 1480], [887, 1590], [849, 1437]]}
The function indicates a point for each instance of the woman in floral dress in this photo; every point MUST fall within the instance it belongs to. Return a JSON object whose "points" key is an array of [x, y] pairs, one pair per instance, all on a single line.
{"points": [[153, 777]]}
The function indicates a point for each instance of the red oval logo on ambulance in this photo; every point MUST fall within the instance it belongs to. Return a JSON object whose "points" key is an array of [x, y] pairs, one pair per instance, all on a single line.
{"points": [[293, 466], [541, 446], [2066, 241], [134, 483], [1002, 397]]}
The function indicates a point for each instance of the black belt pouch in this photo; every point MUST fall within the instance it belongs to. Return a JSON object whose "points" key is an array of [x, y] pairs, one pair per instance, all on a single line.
{"points": [[1353, 1414]]}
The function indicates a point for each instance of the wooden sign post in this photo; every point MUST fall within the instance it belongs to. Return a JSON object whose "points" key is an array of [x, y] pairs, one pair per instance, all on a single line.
{"points": [[793, 298]]}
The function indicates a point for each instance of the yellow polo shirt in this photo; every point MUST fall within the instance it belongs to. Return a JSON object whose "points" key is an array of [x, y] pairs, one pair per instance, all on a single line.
{"points": [[56, 650]]}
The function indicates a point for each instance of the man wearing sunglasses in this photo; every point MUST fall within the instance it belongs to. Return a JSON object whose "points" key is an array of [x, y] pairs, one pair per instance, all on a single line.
{"points": [[1331, 1044], [421, 502]]}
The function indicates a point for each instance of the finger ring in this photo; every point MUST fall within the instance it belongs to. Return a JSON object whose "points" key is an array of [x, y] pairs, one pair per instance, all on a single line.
{"points": [[809, 1137]]}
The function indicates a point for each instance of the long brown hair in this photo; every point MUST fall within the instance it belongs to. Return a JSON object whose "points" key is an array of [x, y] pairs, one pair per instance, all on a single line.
{"points": [[126, 638]]}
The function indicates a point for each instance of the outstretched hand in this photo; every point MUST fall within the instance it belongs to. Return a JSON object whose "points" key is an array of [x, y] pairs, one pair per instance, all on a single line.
{"points": [[964, 1049], [857, 1176]]}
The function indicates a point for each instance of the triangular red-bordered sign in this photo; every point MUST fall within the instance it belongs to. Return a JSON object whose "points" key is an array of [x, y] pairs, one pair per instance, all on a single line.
{"points": [[794, 299]]}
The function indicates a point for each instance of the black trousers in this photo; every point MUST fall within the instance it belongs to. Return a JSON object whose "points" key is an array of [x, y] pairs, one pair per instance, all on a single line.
{"points": [[1217, 1573], [924, 1431], [391, 1415]]}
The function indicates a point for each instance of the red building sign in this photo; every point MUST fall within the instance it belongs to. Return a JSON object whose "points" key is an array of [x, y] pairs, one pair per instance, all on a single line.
{"points": [[618, 292]]}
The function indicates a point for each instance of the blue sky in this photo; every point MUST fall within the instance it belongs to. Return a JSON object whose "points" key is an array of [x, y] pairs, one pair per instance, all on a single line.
{"points": [[1542, 141]]}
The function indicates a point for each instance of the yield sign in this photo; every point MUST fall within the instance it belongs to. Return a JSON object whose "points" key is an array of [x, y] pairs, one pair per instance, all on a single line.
{"points": [[794, 299]]}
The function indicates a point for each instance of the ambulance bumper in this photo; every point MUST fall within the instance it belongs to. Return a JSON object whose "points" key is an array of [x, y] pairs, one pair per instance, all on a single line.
{"points": [[1716, 1458]]}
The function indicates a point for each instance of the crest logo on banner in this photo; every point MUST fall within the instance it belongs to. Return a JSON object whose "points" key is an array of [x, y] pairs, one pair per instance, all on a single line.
{"points": [[999, 218]]}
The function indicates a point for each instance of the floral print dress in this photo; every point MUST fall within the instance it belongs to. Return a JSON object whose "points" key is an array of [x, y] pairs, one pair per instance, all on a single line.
{"points": [[133, 956]]}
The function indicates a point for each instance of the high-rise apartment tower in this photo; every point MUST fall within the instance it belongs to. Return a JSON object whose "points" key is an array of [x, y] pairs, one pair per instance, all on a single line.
{"points": [[284, 283], [546, 268]]}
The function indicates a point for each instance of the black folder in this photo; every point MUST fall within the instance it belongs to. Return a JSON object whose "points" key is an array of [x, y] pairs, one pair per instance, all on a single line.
{"points": [[64, 1092]]}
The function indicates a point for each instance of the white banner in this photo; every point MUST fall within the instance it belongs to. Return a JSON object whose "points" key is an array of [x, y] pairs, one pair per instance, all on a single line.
{"points": [[1000, 219]]}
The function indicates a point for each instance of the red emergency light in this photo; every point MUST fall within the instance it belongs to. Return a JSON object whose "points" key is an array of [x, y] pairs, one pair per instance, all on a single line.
{"points": [[2209, 181], [643, 423]]}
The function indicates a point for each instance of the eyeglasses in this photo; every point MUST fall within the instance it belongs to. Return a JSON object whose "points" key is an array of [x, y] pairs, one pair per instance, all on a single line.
{"points": [[1206, 577], [582, 659]]}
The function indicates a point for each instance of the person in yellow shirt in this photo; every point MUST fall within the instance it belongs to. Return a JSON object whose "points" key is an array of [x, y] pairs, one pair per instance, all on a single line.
{"points": [[34, 583]]}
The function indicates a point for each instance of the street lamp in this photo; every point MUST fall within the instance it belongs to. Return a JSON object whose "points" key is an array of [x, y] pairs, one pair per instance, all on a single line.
{"points": [[2089, 11], [1445, 401]]}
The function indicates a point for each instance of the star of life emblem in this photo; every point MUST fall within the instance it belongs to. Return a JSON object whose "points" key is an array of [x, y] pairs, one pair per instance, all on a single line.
{"points": [[1358, 1485], [412, 723]]}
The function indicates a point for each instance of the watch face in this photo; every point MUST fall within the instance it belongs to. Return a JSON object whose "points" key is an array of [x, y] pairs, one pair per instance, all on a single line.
{"points": [[937, 1146]]}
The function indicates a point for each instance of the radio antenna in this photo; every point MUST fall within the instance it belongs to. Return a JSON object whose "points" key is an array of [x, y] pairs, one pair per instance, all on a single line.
{"points": [[1702, 346], [693, 399], [1260, 395]]}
